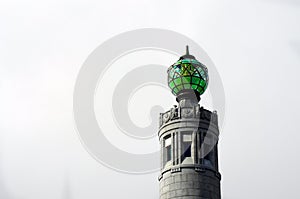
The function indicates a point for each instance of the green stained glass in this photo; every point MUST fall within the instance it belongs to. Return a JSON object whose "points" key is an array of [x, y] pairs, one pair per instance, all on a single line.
{"points": [[185, 61], [186, 80], [195, 61], [177, 72], [196, 74], [177, 81], [202, 83], [186, 70], [176, 75], [202, 72], [175, 90], [180, 87], [195, 80], [171, 73], [200, 90], [171, 84], [187, 86], [194, 87]]}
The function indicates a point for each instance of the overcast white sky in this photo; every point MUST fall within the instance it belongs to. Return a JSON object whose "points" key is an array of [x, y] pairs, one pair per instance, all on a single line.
{"points": [[255, 45]]}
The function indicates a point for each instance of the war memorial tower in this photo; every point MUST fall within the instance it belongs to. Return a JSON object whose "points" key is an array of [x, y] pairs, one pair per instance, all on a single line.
{"points": [[189, 135]]}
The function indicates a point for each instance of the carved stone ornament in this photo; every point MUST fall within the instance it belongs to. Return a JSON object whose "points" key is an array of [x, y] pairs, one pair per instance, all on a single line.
{"points": [[214, 118], [166, 117], [197, 111], [160, 119], [172, 113], [187, 112]]}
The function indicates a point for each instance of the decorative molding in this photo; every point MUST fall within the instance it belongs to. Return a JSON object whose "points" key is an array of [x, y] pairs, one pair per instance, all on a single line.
{"points": [[160, 177], [193, 112], [175, 170], [199, 169]]}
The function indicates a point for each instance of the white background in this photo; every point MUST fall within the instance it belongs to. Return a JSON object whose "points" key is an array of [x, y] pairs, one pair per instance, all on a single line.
{"points": [[255, 45]]}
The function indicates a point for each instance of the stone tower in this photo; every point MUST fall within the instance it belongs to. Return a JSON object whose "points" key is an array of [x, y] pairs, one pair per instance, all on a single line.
{"points": [[189, 135]]}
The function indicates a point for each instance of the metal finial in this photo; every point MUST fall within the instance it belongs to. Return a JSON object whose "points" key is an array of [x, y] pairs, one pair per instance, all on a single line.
{"points": [[187, 55], [187, 50]]}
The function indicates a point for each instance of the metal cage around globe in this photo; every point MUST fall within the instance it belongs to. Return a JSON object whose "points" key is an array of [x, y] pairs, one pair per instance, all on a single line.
{"points": [[188, 74]]}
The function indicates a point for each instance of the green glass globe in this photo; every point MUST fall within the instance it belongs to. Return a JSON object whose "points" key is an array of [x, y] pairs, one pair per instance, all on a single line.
{"points": [[186, 74]]}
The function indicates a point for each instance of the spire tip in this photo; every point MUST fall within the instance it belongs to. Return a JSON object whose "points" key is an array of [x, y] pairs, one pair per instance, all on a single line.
{"points": [[187, 50]]}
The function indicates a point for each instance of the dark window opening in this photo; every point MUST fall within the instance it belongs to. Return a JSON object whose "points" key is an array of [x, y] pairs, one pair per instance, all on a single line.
{"points": [[168, 153], [207, 161], [167, 149], [186, 145], [187, 149]]}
